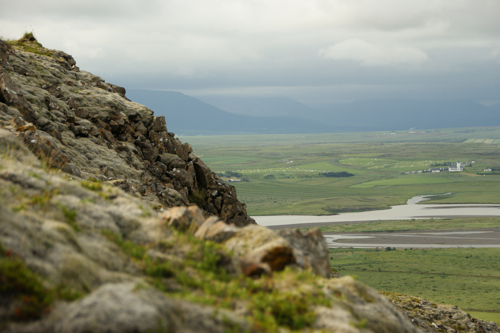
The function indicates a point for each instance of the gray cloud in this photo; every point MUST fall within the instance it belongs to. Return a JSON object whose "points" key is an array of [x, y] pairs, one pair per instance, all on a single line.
{"points": [[373, 54], [310, 50]]}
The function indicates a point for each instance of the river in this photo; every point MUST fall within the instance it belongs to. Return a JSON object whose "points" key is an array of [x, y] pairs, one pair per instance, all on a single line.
{"points": [[411, 210], [403, 239]]}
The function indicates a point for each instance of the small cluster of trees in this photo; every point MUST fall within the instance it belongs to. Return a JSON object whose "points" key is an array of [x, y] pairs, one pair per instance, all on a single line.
{"points": [[233, 174], [443, 164], [336, 174], [229, 174]]}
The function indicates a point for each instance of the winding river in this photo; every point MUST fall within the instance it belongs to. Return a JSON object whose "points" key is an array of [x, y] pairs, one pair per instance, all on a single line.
{"points": [[411, 210], [404, 239]]}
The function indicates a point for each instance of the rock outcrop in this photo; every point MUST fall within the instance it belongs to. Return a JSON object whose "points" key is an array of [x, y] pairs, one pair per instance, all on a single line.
{"points": [[77, 122], [431, 317]]}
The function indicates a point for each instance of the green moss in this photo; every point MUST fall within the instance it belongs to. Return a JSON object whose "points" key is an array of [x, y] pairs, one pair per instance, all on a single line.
{"points": [[361, 324], [92, 179], [68, 294], [43, 199], [198, 198], [202, 277], [145, 212], [159, 269], [28, 43], [18, 208], [91, 185], [40, 200], [207, 257], [130, 249], [285, 310], [87, 200], [20, 283], [70, 216], [34, 175]]}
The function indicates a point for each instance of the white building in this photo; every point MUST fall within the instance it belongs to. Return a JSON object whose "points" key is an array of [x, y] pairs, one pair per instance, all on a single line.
{"points": [[458, 168]]}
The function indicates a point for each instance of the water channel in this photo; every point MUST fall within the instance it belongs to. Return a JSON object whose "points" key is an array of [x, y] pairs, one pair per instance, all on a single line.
{"points": [[412, 210]]}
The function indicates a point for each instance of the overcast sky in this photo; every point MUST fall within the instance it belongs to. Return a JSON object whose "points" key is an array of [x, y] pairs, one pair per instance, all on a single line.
{"points": [[312, 51]]}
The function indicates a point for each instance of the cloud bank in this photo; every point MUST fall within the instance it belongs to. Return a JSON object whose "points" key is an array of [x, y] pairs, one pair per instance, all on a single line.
{"points": [[314, 50], [371, 54]]}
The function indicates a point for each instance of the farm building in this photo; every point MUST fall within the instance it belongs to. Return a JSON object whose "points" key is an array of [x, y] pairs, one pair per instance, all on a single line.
{"points": [[456, 168]]}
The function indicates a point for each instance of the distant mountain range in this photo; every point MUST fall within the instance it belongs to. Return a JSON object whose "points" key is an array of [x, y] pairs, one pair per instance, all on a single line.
{"points": [[258, 106], [190, 116], [266, 115], [383, 115]]}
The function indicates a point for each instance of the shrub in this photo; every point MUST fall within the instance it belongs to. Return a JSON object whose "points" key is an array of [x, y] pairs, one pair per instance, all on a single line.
{"points": [[336, 174]]}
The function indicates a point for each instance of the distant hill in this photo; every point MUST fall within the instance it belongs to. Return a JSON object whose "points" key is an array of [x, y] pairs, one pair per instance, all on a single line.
{"points": [[265, 115], [382, 115], [190, 116], [369, 115], [258, 106]]}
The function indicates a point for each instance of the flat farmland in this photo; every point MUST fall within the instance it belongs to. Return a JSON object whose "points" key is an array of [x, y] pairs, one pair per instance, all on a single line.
{"points": [[467, 278], [283, 172]]}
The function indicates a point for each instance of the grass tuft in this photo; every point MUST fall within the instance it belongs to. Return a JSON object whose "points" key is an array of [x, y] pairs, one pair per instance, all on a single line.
{"points": [[24, 286], [95, 186], [201, 276]]}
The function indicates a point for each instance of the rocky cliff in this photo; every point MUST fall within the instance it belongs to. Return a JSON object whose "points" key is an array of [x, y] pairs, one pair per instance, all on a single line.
{"points": [[90, 240], [77, 122]]}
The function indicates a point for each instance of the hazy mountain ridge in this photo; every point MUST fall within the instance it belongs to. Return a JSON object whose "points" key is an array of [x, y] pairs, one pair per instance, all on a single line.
{"points": [[189, 115], [258, 106], [363, 115], [383, 115]]}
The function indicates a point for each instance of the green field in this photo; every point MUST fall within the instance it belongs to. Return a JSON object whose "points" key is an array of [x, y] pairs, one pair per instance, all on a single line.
{"points": [[454, 135], [378, 160], [405, 181], [467, 278]]}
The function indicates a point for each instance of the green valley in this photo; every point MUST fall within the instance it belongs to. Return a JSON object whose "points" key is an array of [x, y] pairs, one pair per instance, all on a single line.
{"points": [[284, 172]]}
